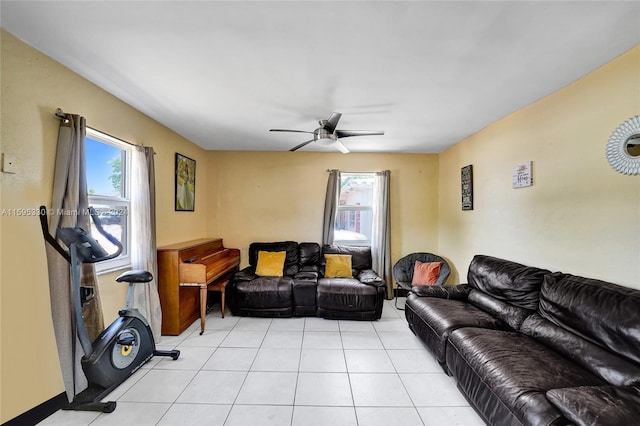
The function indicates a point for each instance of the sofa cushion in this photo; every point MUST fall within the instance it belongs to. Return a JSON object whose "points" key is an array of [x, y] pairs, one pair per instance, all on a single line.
{"points": [[346, 294], [360, 256], [598, 405], [515, 369], [442, 316], [338, 266], [264, 293], [270, 263], [604, 313], [610, 367], [308, 254], [291, 259], [508, 281], [425, 273]]}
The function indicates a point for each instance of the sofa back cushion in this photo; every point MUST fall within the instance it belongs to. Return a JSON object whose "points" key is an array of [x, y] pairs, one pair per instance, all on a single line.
{"points": [[609, 366], [291, 258], [601, 312], [309, 254], [507, 281], [360, 256]]}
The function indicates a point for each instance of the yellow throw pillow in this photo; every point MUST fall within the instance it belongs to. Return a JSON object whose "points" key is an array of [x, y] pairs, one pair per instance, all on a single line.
{"points": [[338, 266], [270, 263]]}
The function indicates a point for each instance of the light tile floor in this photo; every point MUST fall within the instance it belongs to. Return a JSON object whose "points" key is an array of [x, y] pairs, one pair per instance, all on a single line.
{"points": [[288, 371]]}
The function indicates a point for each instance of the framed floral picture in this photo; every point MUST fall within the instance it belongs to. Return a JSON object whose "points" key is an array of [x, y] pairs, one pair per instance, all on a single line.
{"points": [[185, 183]]}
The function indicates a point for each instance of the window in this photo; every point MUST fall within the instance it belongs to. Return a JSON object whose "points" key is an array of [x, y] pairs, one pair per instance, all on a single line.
{"points": [[354, 215], [108, 161]]}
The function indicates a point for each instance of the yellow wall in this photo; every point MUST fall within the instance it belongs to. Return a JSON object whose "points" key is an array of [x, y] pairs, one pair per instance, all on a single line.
{"points": [[33, 86], [580, 216], [267, 196]]}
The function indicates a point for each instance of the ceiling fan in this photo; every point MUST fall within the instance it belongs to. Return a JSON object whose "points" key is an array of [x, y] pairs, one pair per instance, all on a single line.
{"points": [[327, 135]]}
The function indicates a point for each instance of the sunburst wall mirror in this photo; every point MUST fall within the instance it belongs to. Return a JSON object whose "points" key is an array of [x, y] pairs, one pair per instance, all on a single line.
{"points": [[623, 149]]}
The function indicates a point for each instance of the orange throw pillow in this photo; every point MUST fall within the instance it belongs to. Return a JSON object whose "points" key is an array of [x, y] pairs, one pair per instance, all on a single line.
{"points": [[425, 273]]}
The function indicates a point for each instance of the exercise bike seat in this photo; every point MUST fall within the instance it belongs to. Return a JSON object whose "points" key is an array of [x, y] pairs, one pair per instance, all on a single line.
{"points": [[135, 276]]}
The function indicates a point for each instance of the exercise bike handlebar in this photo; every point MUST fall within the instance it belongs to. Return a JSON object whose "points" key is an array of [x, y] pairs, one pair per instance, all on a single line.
{"points": [[113, 240], [84, 241]]}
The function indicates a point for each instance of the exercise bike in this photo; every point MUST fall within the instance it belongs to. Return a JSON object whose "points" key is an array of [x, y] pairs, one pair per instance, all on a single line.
{"points": [[123, 347]]}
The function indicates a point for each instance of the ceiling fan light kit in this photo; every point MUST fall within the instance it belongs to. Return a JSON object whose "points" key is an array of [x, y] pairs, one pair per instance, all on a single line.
{"points": [[328, 136]]}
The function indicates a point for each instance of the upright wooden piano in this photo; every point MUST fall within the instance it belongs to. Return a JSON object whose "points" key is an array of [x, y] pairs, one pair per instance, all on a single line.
{"points": [[186, 271]]}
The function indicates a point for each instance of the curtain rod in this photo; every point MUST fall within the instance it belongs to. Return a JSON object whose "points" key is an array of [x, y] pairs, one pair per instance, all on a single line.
{"points": [[355, 173], [63, 116]]}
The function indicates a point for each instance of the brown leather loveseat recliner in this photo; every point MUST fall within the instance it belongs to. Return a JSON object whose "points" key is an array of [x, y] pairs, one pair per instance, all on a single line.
{"points": [[302, 290]]}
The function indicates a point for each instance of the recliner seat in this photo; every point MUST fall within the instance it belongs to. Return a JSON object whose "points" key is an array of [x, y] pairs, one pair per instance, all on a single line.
{"points": [[360, 297], [253, 295]]}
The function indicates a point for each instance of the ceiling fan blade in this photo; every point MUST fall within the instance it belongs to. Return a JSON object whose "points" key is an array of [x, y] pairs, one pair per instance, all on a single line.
{"points": [[291, 131], [347, 133], [297, 147], [332, 122], [340, 146]]}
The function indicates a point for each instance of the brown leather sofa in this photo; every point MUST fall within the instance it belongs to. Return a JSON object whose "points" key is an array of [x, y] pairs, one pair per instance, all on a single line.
{"points": [[531, 347], [303, 290]]}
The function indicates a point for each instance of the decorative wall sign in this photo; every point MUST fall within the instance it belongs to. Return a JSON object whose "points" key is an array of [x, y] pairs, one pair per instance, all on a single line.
{"points": [[185, 183], [466, 178], [522, 175]]}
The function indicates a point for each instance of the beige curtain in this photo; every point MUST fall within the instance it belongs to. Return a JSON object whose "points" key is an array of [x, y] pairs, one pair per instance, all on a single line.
{"points": [[330, 206], [381, 232], [143, 236], [69, 208]]}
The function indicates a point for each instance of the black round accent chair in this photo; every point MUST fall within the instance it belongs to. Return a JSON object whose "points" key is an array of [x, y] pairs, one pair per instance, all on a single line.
{"points": [[403, 271]]}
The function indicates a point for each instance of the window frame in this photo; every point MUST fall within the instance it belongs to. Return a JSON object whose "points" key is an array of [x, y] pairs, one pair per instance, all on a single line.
{"points": [[122, 204], [354, 208]]}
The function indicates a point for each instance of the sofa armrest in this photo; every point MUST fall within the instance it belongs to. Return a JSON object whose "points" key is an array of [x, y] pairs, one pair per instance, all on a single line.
{"points": [[307, 273], [246, 274], [369, 276], [460, 291], [601, 405]]}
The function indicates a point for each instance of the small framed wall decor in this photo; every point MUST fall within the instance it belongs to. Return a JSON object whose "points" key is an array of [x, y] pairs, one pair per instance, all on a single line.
{"points": [[185, 183], [522, 175], [466, 179]]}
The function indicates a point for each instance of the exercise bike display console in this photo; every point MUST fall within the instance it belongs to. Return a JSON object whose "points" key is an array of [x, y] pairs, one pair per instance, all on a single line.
{"points": [[125, 345]]}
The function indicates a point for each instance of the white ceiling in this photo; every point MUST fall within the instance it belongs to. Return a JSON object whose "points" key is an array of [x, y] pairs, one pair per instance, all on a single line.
{"points": [[431, 73]]}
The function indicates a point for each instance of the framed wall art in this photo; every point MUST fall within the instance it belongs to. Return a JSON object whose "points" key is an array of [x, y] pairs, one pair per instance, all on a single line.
{"points": [[185, 183], [466, 179], [522, 176]]}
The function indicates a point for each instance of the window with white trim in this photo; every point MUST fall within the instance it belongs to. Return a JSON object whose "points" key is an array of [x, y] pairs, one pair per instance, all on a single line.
{"points": [[354, 215], [108, 162]]}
